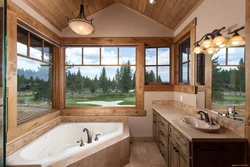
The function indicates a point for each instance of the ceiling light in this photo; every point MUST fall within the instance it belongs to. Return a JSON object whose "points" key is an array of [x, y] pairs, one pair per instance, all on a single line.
{"points": [[198, 49], [211, 50], [152, 1], [81, 25]]}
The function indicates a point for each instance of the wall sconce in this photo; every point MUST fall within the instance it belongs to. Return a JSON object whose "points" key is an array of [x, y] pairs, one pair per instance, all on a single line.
{"points": [[212, 42]]}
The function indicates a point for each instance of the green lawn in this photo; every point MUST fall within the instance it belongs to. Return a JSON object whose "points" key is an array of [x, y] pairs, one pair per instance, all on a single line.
{"points": [[128, 99]]}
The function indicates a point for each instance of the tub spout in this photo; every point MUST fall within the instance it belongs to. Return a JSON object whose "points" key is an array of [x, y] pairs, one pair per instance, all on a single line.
{"points": [[88, 135]]}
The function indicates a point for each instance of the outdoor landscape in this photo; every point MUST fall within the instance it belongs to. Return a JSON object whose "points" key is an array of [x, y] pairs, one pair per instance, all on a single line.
{"points": [[228, 83]]}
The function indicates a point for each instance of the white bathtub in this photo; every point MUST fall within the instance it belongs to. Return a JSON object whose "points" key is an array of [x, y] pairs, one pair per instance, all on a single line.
{"points": [[61, 142]]}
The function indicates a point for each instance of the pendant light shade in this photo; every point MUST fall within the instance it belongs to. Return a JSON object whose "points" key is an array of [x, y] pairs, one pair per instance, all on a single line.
{"points": [[219, 40], [81, 25], [207, 42], [237, 40], [198, 49], [211, 50]]}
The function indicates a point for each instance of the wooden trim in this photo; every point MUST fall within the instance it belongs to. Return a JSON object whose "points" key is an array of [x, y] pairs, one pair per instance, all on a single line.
{"points": [[185, 31], [29, 20], [27, 127], [103, 111], [19, 122], [185, 89], [140, 76], [56, 78], [11, 70], [62, 78], [208, 81], [159, 87], [193, 63], [149, 41]]}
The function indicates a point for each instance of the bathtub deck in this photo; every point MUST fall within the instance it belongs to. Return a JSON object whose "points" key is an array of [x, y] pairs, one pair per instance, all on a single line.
{"points": [[145, 155]]}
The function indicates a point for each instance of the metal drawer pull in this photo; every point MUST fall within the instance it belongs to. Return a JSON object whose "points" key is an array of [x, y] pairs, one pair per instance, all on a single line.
{"points": [[175, 149]]}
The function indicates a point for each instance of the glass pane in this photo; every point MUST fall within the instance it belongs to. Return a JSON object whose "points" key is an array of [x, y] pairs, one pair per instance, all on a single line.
{"points": [[127, 54], [228, 86], [163, 74], [220, 57], [91, 55], [185, 73], [100, 86], [163, 56], [34, 86], [73, 56], [22, 41], [236, 56], [150, 56], [35, 47], [48, 52], [109, 55], [185, 57], [150, 74]]}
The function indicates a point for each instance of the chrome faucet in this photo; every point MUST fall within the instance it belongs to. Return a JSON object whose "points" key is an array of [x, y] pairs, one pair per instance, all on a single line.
{"points": [[205, 114], [88, 135]]}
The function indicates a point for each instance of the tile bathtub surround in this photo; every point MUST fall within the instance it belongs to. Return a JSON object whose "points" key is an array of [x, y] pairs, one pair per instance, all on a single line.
{"points": [[236, 126], [116, 155], [22, 141]]}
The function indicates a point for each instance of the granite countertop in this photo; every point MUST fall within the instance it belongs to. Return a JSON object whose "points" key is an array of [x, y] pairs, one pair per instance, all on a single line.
{"points": [[173, 116]]}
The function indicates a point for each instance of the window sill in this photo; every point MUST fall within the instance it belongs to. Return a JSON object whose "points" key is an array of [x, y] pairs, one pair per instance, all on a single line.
{"points": [[34, 117], [103, 111], [158, 87]]}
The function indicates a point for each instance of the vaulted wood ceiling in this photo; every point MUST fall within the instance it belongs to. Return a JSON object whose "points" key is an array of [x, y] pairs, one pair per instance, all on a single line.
{"points": [[167, 12]]}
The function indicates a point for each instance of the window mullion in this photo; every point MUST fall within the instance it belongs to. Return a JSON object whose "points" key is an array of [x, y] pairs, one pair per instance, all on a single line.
{"points": [[28, 44]]}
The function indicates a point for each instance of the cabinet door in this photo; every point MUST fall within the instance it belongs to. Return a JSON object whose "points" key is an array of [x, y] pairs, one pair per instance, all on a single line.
{"points": [[174, 157], [184, 162]]}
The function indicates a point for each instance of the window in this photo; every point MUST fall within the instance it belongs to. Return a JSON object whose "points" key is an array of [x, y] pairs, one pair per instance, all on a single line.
{"points": [[184, 61], [201, 69], [34, 75], [100, 76], [228, 78], [157, 65]]}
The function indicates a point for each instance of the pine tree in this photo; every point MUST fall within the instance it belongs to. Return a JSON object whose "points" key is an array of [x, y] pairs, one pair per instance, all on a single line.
{"points": [[103, 81]]}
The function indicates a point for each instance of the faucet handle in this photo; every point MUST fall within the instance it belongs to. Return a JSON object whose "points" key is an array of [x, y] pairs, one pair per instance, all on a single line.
{"points": [[212, 121], [81, 142], [96, 136], [201, 117]]}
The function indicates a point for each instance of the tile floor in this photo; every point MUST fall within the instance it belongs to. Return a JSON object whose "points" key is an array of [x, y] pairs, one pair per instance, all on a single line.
{"points": [[145, 155]]}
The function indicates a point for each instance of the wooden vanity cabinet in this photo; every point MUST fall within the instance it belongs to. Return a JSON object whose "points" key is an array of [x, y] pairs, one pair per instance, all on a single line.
{"points": [[178, 151]]}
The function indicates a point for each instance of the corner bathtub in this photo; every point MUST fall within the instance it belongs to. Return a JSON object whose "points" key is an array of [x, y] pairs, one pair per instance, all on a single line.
{"points": [[61, 142]]}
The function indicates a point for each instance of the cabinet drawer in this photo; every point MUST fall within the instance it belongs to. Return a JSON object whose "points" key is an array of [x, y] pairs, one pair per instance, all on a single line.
{"points": [[163, 123], [183, 143]]}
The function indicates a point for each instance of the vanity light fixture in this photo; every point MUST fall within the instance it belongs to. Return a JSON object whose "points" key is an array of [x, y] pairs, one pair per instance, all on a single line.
{"points": [[80, 24], [152, 1], [212, 42]]}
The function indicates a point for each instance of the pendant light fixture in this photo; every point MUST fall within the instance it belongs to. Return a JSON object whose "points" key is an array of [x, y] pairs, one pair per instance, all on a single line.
{"points": [[80, 24], [152, 1], [207, 42]]}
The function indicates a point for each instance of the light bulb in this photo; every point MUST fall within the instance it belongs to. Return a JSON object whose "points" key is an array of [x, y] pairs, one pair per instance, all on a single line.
{"points": [[237, 40], [222, 45], [198, 50], [211, 50], [152, 1], [235, 43]]}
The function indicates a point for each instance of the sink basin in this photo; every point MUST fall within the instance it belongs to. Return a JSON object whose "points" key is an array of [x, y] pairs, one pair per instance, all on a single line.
{"points": [[200, 125]]}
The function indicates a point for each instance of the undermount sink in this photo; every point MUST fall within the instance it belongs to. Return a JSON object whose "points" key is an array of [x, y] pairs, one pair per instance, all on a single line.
{"points": [[200, 125]]}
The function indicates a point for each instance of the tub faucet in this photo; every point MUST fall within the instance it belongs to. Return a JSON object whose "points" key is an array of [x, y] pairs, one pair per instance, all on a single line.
{"points": [[88, 135]]}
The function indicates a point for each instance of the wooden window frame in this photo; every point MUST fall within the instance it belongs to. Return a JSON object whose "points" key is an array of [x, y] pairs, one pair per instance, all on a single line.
{"points": [[138, 110], [181, 63], [19, 122], [162, 65]]}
